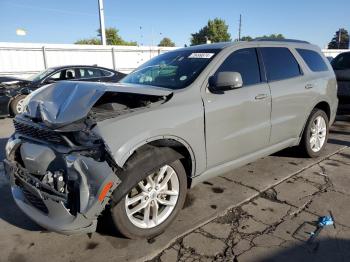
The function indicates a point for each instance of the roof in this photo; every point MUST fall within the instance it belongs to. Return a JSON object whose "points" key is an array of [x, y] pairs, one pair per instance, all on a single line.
{"points": [[223, 45], [218, 46], [90, 66]]}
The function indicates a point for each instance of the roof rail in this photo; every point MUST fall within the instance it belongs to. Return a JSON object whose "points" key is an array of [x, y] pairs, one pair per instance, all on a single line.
{"points": [[281, 40]]}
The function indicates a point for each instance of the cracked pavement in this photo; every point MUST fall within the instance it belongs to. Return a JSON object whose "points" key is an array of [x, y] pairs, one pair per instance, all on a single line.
{"points": [[276, 225], [263, 211]]}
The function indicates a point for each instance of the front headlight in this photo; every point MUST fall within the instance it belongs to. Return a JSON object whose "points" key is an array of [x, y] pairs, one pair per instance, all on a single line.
{"points": [[11, 146]]}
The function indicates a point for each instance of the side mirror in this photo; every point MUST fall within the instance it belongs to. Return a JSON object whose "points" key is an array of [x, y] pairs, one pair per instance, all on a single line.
{"points": [[224, 81], [49, 81]]}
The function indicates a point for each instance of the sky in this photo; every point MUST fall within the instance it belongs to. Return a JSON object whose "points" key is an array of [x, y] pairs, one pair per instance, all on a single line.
{"points": [[66, 21]]}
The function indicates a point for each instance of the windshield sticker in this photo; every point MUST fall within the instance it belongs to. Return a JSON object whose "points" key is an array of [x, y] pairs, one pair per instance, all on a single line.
{"points": [[201, 55], [183, 78]]}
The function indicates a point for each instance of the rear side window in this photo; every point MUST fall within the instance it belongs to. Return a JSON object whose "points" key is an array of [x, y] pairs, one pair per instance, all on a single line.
{"points": [[279, 63], [90, 73], [313, 60], [341, 62], [106, 73], [245, 62]]}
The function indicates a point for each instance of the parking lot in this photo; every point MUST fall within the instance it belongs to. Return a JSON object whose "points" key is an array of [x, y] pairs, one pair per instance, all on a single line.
{"points": [[261, 211]]}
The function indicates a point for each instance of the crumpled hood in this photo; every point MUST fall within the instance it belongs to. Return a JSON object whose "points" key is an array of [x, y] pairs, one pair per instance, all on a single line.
{"points": [[13, 82], [65, 102], [6, 79]]}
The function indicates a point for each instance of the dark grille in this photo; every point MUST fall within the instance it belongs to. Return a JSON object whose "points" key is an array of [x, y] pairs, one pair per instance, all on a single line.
{"points": [[38, 133], [34, 200]]}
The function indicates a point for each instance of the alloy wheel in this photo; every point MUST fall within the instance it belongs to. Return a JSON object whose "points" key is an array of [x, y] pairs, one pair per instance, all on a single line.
{"points": [[318, 133], [153, 199], [19, 106]]}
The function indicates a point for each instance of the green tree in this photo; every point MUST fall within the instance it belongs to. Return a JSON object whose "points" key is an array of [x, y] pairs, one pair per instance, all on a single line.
{"points": [[90, 41], [215, 31], [166, 41], [340, 40], [272, 36], [112, 37], [247, 38]]}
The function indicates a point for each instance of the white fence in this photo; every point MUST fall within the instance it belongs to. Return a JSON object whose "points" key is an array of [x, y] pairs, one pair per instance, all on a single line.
{"points": [[333, 52], [23, 60]]}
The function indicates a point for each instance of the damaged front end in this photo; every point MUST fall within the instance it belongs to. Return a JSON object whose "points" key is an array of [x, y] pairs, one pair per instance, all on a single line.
{"points": [[61, 173], [63, 189]]}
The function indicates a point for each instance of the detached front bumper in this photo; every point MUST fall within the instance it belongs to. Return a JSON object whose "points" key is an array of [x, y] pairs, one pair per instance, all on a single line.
{"points": [[94, 182]]}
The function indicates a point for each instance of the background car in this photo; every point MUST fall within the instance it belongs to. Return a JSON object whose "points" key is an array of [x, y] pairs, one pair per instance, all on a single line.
{"points": [[14, 90], [341, 67]]}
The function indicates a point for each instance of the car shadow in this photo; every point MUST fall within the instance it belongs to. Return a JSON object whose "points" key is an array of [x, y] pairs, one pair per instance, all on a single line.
{"points": [[328, 249], [293, 152], [9, 212]]}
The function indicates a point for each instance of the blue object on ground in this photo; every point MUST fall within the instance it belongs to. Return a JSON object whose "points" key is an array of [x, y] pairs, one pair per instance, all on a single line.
{"points": [[325, 221], [322, 222]]}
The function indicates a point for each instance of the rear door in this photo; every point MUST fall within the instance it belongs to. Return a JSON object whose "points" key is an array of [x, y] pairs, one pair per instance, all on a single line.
{"points": [[237, 122], [291, 93]]}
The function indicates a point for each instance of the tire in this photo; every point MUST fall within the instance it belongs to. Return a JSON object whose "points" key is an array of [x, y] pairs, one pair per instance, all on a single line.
{"points": [[133, 225], [314, 145], [16, 105]]}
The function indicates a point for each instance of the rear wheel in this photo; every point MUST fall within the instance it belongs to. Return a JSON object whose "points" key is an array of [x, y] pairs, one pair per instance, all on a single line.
{"points": [[315, 134], [17, 105], [151, 205]]}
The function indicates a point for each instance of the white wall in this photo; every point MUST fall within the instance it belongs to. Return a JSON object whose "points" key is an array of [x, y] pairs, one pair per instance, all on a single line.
{"points": [[333, 52], [24, 59]]}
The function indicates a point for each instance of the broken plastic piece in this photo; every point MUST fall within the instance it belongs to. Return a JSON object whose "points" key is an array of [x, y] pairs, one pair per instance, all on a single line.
{"points": [[321, 223], [325, 221]]}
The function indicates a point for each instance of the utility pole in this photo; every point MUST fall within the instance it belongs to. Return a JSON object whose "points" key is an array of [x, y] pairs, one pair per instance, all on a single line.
{"points": [[102, 22], [240, 27], [339, 37]]}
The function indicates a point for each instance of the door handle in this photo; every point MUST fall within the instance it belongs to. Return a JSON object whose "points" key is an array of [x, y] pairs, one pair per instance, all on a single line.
{"points": [[261, 96], [309, 86]]}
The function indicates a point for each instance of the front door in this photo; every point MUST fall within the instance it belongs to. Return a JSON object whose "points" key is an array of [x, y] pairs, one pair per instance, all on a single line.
{"points": [[237, 121]]}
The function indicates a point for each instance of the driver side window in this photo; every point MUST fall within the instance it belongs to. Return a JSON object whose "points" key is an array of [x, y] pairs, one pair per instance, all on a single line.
{"points": [[245, 62], [56, 76]]}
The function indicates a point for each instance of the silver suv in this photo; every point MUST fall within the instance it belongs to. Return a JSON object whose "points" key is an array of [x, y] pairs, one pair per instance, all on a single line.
{"points": [[134, 148]]}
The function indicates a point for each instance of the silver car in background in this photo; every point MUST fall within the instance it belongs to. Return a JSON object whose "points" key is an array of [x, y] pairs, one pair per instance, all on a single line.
{"points": [[134, 148]]}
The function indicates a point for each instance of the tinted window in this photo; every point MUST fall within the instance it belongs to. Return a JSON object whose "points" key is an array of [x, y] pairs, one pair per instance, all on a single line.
{"points": [[90, 72], [341, 62], [56, 76], [279, 63], [69, 74], [245, 62], [313, 60], [106, 73]]}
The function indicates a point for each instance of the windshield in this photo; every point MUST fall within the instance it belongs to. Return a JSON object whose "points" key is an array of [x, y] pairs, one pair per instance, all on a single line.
{"points": [[341, 62], [173, 70], [39, 76]]}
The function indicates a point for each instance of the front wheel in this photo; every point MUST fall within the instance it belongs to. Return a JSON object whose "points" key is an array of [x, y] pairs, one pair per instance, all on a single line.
{"points": [[151, 205], [17, 105], [315, 134]]}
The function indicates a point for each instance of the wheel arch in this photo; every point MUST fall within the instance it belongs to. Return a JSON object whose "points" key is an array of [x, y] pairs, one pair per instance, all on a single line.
{"points": [[323, 105], [176, 143], [10, 111]]}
